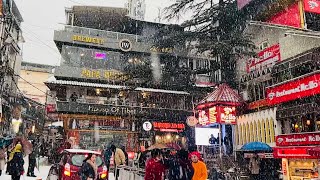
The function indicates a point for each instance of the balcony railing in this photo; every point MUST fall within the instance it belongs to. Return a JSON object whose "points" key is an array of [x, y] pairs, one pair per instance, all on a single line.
{"points": [[102, 33]]}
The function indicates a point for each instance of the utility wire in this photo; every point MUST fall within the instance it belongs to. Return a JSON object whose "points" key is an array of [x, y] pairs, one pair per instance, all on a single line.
{"points": [[33, 85]]}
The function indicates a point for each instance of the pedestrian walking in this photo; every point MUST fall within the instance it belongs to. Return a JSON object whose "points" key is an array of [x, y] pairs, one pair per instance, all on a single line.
{"points": [[119, 159], [89, 168], [2, 159], [200, 168], [180, 168], [16, 162], [123, 148], [32, 160], [254, 166], [155, 169], [107, 154]]}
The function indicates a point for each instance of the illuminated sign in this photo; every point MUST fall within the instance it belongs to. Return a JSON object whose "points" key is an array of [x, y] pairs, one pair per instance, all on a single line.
{"points": [[218, 114], [298, 139], [104, 74], [147, 126], [160, 125], [87, 39], [100, 55]]}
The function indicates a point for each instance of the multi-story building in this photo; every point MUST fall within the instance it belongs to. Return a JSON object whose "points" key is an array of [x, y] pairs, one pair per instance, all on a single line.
{"points": [[137, 9], [113, 82], [33, 76], [280, 86], [10, 58]]}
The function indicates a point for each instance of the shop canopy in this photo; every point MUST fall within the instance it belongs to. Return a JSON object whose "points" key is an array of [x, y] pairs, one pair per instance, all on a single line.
{"points": [[222, 95]]}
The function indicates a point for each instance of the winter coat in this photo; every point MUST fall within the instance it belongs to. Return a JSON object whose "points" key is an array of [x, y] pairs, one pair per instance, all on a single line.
{"points": [[119, 157], [86, 171], [155, 170], [16, 164], [180, 169], [107, 155]]}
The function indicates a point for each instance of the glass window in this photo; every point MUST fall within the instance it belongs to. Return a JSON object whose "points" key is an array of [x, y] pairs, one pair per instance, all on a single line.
{"points": [[77, 160]]}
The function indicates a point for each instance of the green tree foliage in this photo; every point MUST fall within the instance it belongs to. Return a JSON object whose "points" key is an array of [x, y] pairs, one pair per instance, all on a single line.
{"points": [[217, 27]]}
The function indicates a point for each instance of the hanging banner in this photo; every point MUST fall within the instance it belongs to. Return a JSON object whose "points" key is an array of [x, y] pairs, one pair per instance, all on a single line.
{"points": [[288, 17], [303, 87], [266, 59], [312, 6]]}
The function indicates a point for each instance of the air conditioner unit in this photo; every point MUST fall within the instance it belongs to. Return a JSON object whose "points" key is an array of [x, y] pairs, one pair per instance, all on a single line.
{"points": [[244, 95]]}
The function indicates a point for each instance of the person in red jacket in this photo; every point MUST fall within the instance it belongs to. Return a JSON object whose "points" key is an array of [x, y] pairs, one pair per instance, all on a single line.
{"points": [[155, 169]]}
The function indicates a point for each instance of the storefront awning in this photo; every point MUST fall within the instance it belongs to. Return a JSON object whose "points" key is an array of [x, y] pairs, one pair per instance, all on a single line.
{"points": [[53, 80], [161, 91]]}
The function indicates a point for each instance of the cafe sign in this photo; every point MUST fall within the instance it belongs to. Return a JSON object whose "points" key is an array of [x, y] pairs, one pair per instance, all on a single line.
{"points": [[218, 114], [298, 139], [300, 88], [87, 39]]}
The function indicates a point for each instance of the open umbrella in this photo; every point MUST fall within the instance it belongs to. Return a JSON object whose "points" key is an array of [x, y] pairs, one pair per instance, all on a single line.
{"points": [[157, 146], [256, 146]]}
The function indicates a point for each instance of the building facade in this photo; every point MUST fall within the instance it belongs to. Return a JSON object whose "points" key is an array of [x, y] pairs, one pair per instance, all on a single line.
{"points": [[33, 77], [113, 81], [11, 56]]}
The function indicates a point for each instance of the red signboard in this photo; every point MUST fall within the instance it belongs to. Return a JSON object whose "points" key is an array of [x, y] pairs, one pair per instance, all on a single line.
{"points": [[51, 108], [292, 152], [303, 87], [312, 6], [218, 114], [298, 139], [288, 17], [242, 3], [160, 125], [266, 58]]}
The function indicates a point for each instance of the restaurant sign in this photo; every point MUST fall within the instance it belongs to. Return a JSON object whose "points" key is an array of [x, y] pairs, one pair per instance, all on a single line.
{"points": [[266, 59], [303, 87], [87, 39], [218, 114], [298, 139], [162, 125]]}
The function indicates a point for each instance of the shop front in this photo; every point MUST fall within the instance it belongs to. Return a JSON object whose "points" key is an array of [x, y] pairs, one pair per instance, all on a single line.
{"points": [[294, 150]]}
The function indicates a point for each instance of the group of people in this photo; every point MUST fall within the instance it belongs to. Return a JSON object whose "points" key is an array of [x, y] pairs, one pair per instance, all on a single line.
{"points": [[180, 165]]}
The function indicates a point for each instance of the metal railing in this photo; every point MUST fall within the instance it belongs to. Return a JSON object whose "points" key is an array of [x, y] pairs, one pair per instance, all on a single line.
{"points": [[103, 33]]}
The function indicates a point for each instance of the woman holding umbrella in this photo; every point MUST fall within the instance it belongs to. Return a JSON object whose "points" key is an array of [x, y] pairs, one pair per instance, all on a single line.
{"points": [[16, 162]]}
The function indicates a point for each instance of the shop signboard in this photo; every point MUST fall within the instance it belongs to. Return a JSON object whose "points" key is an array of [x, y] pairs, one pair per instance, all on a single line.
{"points": [[51, 108], [258, 104], [298, 139], [218, 114], [169, 127], [293, 152], [312, 6], [88, 39], [296, 89], [266, 59], [100, 124], [147, 126]]}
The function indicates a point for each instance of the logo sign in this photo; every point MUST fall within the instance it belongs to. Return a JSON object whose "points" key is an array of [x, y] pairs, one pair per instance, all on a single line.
{"points": [[204, 117], [298, 139], [192, 121], [296, 89], [125, 45], [87, 39], [312, 6], [147, 126], [228, 115], [266, 59]]}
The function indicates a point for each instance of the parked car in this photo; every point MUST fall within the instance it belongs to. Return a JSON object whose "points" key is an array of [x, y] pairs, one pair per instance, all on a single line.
{"points": [[71, 162]]}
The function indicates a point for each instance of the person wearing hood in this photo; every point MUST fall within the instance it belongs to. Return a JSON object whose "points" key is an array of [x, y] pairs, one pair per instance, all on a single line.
{"points": [[16, 162], [89, 168], [200, 168]]}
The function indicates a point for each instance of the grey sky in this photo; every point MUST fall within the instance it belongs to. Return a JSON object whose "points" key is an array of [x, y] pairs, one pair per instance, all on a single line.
{"points": [[42, 17]]}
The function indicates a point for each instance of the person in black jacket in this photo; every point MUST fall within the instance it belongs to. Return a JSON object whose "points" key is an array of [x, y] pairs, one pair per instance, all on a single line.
{"points": [[32, 160], [180, 167], [89, 168], [16, 162]]}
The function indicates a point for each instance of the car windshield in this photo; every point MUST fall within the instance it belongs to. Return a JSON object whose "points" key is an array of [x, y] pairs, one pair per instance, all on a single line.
{"points": [[77, 160]]}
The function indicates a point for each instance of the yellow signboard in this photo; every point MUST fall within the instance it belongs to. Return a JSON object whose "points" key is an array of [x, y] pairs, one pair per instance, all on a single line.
{"points": [[87, 39], [104, 75]]}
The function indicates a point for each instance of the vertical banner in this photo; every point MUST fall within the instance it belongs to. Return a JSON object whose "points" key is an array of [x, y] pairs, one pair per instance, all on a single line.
{"points": [[285, 168], [288, 17]]}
